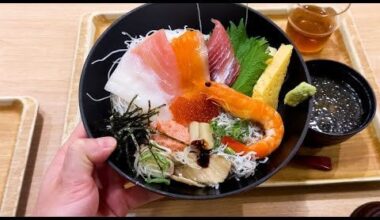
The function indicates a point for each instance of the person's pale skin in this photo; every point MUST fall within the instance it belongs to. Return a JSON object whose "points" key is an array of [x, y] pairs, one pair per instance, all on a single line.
{"points": [[78, 181]]}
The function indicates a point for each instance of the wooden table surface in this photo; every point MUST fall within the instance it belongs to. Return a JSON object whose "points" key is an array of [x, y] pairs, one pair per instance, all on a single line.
{"points": [[37, 43]]}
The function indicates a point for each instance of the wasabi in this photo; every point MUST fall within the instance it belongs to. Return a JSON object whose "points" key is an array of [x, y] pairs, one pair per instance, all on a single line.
{"points": [[299, 94]]}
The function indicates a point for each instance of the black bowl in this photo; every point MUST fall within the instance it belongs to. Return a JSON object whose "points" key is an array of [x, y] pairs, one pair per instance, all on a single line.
{"points": [[341, 72], [156, 16]]}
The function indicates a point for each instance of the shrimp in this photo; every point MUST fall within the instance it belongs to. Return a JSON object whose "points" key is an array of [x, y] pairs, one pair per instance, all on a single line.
{"points": [[242, 106]]}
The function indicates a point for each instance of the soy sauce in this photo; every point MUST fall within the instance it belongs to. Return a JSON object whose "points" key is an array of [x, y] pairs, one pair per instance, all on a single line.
{"points": [[337, 107], [204, 158], [204, 155]]}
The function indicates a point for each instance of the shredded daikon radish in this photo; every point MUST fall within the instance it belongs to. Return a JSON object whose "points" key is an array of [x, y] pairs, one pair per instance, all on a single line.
{"points": [[226, 121], [253, 136], [271, 51], [108, 55], [97, 100], [150, 170], [112, 66], [183, 157], [246, 14], [199, 17], [126, 33], [133, 41], [242, 165], [171, 34]]}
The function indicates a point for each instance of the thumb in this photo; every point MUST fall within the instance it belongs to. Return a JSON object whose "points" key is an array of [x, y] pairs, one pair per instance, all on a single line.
{"points": [[83, 154]]}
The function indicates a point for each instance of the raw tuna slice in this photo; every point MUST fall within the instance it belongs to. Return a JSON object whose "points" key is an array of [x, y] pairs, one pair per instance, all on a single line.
{"points": [[157, 54], [224, 67]]}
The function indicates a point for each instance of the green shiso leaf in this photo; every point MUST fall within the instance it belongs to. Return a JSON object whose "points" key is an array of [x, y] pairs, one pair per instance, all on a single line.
{"points": [[252, 54]]}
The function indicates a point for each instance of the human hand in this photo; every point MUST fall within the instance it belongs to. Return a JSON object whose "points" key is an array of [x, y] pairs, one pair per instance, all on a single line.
{"points": [[78, 182]]}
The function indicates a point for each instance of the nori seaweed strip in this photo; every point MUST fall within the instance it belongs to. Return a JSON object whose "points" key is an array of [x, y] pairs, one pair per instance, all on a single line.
{"points": [[131, 129]]}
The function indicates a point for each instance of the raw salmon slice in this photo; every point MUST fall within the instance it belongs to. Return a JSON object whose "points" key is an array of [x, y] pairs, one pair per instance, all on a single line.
{"points": [[192, 59], [174, 130]]}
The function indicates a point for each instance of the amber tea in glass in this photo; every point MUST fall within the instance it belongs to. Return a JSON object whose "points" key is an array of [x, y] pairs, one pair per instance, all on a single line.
{"points": [[310, 26]]}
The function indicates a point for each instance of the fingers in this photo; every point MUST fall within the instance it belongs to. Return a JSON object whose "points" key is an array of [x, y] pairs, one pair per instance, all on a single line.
{"points": [[78, 133], [83, 154], [112, 192], [121, 200]]}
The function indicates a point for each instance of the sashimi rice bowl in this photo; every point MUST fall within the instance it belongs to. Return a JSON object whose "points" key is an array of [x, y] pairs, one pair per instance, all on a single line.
{"points": [[197, 111]]}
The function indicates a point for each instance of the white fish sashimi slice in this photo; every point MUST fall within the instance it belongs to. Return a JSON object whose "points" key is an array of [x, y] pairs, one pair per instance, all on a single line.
{"points": [[132, 78]]}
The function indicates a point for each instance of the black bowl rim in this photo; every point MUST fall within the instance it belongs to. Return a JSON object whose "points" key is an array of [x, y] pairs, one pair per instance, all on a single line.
{"points": [[203, 197], [354, 74]]}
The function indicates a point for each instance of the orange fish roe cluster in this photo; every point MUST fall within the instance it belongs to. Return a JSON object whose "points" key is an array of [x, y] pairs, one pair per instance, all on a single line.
{"points": [[186, 109]]}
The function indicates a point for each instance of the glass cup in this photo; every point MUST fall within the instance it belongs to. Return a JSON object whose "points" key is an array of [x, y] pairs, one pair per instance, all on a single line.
{"points": [[311, 25]]}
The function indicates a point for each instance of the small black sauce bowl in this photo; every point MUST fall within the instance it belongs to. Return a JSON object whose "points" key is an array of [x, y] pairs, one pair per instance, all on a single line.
{"points": [[339, 71]]}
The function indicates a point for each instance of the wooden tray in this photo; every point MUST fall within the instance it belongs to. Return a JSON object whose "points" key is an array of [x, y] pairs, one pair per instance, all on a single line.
{"points": [[355, 160], [17, 119]]}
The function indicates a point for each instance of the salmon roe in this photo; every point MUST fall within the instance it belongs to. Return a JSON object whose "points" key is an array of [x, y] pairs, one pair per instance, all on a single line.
{"points": [[186, 109]]}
